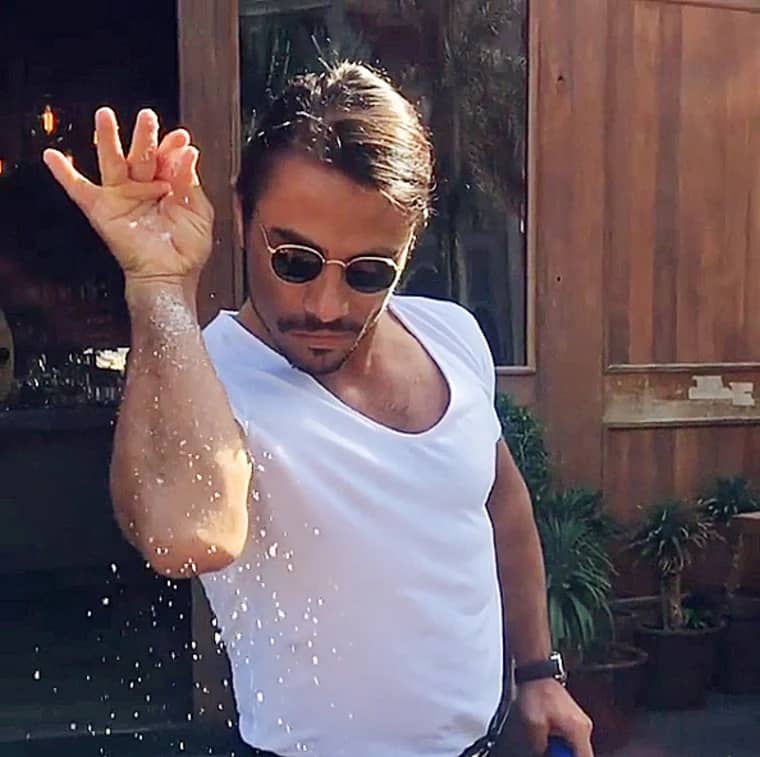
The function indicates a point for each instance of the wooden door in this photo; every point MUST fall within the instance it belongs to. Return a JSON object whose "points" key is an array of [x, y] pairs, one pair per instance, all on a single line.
{"points": [[647, 143]]}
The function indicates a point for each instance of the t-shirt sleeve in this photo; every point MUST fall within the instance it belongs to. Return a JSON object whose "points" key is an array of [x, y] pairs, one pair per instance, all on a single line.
{"points": [[483, 363], [219, 354]]}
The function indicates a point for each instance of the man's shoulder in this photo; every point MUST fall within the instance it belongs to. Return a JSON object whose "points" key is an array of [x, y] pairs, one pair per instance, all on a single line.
{"points": [[233, 350], [446, 311], [218, 335], [448, 319]]}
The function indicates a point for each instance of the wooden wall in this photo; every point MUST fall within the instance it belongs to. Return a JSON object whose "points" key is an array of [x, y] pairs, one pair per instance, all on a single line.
{"points": [[646, 135], [210, 108]]}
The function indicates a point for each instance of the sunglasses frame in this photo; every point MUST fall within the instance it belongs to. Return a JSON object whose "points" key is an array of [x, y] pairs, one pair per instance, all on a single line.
{"points": [[345, 265]]}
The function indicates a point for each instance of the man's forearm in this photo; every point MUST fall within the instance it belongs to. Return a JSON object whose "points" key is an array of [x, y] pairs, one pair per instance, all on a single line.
{"points": [[522, 577], [179, 470]]}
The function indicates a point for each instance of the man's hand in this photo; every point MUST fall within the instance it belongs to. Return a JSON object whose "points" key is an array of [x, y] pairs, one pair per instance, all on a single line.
{"points": [[548, 710], [150, 209]]}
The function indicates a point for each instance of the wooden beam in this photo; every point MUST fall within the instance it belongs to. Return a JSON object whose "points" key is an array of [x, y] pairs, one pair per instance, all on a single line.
{"points": [[753, 6], [567, 69], [209, 70], [209, 66]]}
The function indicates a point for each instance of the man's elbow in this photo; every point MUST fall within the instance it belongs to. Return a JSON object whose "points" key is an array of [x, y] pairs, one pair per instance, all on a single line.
{"points": [[193, 554], [188, 561], [186, 550]]}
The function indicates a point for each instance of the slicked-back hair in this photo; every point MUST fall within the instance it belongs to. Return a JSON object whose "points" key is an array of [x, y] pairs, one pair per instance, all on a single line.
{"points": [[352, 119]]}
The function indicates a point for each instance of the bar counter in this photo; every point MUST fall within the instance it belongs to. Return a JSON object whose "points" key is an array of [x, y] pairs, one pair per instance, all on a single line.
{"points": [[75, 418]]}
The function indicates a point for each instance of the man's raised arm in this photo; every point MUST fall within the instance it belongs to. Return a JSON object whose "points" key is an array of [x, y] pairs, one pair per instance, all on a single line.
{"points": [[180, 472]]}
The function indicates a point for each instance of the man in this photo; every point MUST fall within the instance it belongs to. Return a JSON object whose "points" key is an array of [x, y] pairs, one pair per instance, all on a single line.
{"points": [[353, 573]]}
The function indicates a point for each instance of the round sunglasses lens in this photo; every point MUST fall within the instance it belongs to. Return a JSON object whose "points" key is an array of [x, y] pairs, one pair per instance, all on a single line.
{"points": [[295, 265], [370, 276]]}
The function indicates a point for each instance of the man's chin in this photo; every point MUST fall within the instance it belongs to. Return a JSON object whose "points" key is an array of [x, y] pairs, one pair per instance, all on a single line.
{"points": [[318, 362]]}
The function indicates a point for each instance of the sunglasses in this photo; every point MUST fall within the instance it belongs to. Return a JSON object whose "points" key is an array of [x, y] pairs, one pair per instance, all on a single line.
{"points": [[298, 264]]}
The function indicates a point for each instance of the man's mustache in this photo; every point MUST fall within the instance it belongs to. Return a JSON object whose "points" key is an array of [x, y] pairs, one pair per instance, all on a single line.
{"points": [[310, 323]]}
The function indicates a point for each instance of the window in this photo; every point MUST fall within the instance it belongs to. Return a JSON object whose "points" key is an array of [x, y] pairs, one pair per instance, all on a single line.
{"points": [[464, 65]]}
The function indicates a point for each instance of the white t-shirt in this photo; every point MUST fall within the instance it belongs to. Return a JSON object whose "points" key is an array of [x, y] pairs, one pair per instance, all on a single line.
{"points": [[364, 615]]}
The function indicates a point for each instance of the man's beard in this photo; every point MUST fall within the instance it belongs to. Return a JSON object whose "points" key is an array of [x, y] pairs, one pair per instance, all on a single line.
{"points": [[307, 324]]}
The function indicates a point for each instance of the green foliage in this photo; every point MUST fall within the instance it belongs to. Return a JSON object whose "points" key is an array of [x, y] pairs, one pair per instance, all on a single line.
{"points": [[697, 617], [489, 85], [574, 532], [586, 504], [277, 46], [525, 438], [728, 497], [669, 535], [578, 574], [695, 620]]}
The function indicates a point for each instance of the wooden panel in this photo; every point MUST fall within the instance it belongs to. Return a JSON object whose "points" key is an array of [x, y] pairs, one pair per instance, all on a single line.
{"points": [[699, 395], [737, 5], [519, 385], [568, 61], [646, 465], [683, 249], [210, 108]]}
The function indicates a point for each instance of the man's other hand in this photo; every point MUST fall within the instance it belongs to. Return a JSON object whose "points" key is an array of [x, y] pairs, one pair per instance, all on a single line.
{"points": [[548, 710]]}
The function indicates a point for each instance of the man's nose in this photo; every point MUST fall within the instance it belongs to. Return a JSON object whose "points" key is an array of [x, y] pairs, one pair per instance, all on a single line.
{"points": [[326, 298]]}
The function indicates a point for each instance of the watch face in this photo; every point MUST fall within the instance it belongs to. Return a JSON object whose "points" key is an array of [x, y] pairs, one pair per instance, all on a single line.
{"points": [[561, 674]]}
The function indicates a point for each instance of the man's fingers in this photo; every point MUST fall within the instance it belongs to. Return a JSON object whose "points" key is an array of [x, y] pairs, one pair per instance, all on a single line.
{"points": [[80, 189], [170, 156], [143, 152], [186, 184], [172, 141], [580, 738], [113, 167], [145, 190], [538, 735]]}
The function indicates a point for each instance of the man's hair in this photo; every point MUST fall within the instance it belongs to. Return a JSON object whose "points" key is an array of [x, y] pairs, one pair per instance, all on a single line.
{"points": [[351, 119]]}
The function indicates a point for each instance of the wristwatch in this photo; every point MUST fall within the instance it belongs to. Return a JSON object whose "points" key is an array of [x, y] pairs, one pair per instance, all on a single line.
{"points": [[553, 667]]}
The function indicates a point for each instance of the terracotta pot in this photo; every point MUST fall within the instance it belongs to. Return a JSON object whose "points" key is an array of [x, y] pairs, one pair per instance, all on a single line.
{"points": [[608, 692], [680, 665]]}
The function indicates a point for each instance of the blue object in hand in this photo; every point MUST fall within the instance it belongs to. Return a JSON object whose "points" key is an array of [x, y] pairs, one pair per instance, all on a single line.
{"points": [[559, 748]]}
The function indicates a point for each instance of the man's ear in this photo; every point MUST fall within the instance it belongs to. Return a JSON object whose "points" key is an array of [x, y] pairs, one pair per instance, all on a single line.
{"points": [[237, 212]]}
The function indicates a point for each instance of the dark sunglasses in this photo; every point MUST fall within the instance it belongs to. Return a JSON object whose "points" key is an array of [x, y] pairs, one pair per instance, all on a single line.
{"points": [[298, 264]]}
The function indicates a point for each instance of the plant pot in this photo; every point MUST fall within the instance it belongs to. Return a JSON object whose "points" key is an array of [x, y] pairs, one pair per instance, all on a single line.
{"points": [[645, 610], [608, 692], [624, 625], [739, 671], [680, 665]]}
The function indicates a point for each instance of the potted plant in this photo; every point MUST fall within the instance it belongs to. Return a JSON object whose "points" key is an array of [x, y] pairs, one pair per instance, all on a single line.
{"points": [[603, 673], [726, 498], [681, 647], [739, 671], [524, 436]]}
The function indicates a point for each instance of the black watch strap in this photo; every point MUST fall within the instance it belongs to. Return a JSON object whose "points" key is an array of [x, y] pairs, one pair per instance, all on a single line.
{"points": [[552, 667]]}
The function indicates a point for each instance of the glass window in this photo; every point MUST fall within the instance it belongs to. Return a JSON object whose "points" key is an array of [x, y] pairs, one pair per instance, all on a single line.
{"points": [[464, 65]]}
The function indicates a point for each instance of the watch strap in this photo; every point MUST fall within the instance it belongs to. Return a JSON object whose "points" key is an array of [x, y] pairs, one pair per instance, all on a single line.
{"points": [[539, 669]]}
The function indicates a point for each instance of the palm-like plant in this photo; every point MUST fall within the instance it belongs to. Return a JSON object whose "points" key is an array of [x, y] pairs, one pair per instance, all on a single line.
{"points": [[726, 498], [578, 578], [586, 504], [729, 497], [670, 534]]}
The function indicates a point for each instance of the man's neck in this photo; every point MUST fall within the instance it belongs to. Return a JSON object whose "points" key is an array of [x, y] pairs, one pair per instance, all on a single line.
{"points": [[362, 361]]}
